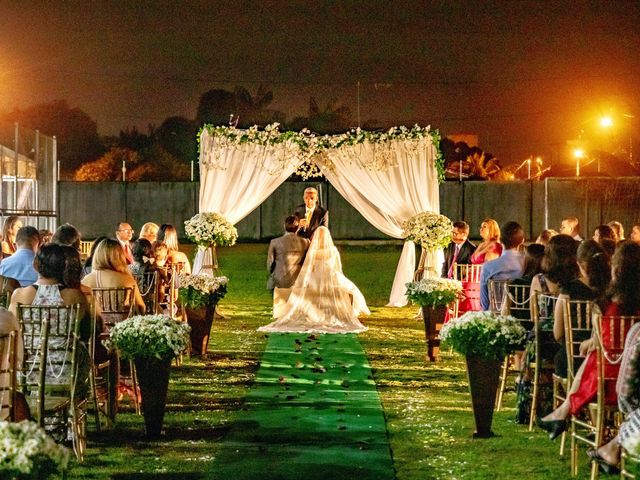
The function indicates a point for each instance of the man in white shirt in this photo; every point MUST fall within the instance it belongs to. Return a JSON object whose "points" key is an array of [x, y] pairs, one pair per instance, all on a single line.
{"points": [[571, 226], [124, 232], [311, 215]]}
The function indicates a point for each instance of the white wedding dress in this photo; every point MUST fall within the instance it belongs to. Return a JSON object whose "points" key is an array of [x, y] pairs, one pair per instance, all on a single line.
{"points": [[322, 299]]}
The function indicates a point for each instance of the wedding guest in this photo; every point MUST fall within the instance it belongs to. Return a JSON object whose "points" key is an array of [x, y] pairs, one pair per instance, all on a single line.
{"points": [[623, 298], [286, 255], [310, 214], [86, 270], [20, 265], [571, 226], [143, 258], [606, 237], [559, 264], [618, 230], [508, 266], [459, 250], [45, 236], [124, 232], [545, 236], [149, 231], [533, 256], [67, 234], [591, 284], [169, 235], [9, 231], [635, 234], [490, 248]]}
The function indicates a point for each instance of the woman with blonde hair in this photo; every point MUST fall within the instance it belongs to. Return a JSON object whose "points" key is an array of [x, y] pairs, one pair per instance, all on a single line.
{"points": [[169, 235], [149, 231], [9, 231], [490, 248]]}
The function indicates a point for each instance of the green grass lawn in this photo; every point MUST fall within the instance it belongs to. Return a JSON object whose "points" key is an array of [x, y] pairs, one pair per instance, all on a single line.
{"points": [[426, 406]]}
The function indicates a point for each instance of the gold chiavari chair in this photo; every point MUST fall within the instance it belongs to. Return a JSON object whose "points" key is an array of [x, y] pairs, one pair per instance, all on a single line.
{"points": [[85, 249], [52, 377], [148, 286], [542, 307], [515, 303], [627, 459], [8, 370], [604, 411], [7, 286], [469, 275], [577, 315]]}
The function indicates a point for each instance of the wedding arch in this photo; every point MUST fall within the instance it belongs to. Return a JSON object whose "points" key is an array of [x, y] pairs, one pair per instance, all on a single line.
{"points": [[387, 176]]}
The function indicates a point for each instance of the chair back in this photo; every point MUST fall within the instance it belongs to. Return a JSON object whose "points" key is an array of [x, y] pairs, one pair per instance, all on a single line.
{"points": [[8, 345], [148, 286], [578, 315], [113, 304], [85, 249], [469, 275], [518, 303], [175, 269], [50, 339], [497, 294], [467, 272], [542, 308], [7, 286]]}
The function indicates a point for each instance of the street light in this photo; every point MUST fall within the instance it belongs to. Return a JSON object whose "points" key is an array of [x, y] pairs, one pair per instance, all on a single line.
{"points": [[606, 122], [578, 153]]}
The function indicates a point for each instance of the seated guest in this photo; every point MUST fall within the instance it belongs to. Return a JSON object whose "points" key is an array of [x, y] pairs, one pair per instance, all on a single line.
{"points": [[20, 265], [286, 256], [124, 232], [508, 266], [604, 235], [545, 236], [618, 230], [149, 231], [143, 259], [571, 226], [591, 284], [533, 256], [169, 235], [490, 248], [9, 232], [622, 298], [559, 263], [459, 250], [635, 234], [45, 236], [67, 234], [86, 269]]}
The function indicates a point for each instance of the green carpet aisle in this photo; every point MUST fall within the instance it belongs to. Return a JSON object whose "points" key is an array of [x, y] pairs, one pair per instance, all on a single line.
{"points": [[313, 413]]}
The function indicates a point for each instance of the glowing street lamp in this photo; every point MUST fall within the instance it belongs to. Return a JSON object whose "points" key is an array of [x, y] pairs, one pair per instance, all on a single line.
{"points": [[606, 122], [578, 153]]}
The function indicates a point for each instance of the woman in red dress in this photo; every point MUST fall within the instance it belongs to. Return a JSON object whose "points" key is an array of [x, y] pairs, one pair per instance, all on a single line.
{"points": [[623, 298]]}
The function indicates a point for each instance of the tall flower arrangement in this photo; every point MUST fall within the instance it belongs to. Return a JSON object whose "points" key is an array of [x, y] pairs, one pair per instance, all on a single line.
{"points": [[208, 229], [27, 452], [200, 290], [434, 291], [429, 230]]}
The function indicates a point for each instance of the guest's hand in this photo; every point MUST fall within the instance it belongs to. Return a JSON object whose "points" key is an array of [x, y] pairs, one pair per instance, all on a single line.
{"points": [[586, 347]]}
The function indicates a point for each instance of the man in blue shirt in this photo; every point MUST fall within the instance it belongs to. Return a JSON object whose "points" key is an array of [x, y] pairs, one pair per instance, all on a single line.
{"points": [[506, 267], [20, 265]]}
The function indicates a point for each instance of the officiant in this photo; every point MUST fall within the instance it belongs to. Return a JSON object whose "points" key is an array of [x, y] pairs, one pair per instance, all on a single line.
{"points": [[310, 214]]}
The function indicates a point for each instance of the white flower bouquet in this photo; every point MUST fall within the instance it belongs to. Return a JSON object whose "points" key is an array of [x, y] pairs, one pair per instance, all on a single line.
{"points": [[28, 452], [428, 229], [200, 290], [434, 292], [152, 336], [483, 334], [209, 228]]}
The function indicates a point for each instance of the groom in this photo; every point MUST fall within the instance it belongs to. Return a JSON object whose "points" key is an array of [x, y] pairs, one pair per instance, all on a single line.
{"points": [[311, 215]]}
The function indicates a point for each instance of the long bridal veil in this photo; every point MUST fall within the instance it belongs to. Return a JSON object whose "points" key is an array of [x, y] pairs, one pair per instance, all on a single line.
{"points": [[322, 299]]}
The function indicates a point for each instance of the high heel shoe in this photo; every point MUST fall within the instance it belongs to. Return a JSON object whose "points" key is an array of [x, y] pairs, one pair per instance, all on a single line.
{"points": [[606, 467], [554, 427]]}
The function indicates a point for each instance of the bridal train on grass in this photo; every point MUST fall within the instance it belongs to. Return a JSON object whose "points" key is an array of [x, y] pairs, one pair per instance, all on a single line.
{"points": [[322, 299]]}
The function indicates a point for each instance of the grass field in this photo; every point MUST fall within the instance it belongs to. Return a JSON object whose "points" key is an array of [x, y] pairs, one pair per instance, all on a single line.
{"points": [[426, 406]]}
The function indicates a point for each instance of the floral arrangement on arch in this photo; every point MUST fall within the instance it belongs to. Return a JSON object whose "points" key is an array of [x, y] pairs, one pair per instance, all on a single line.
{"points": [[433, 291], [484, 334], [208, 228], [149, 336], [429, 229], [28, 452], [200, 290]]}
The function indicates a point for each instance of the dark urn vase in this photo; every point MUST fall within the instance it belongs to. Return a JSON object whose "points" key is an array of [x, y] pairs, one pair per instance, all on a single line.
{"points": [[153, 380], [433, 320], [484, 376], [200, 321]]}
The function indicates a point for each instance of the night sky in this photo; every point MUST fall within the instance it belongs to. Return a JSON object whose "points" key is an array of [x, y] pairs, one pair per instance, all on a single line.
{"points": [[524, 76]]}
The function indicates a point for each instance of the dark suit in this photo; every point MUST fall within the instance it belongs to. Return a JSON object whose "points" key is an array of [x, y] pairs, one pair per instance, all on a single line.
{"points": [[319, 218], [284, 260], [464, 256]]}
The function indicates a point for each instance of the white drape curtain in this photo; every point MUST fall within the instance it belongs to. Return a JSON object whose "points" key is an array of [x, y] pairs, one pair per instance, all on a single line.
{"points": [[387, 197], [234, 181]]}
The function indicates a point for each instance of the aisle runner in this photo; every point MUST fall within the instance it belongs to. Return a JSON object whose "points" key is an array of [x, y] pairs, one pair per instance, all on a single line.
{"points": [[313, 413]]}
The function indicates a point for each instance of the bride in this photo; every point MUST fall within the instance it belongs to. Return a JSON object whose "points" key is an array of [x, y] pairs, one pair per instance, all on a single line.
{"points": [[322, 299]]}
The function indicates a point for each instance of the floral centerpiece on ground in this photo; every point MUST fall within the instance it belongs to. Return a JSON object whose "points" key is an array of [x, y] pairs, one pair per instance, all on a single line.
{"points": [[433, 291], [200, 290], [27, 452], [429, 230], [484, 334], [208, 229]]}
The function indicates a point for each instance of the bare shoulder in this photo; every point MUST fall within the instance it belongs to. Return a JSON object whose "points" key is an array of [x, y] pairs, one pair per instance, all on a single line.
{"points": [[23, 295], [73, 296]]}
